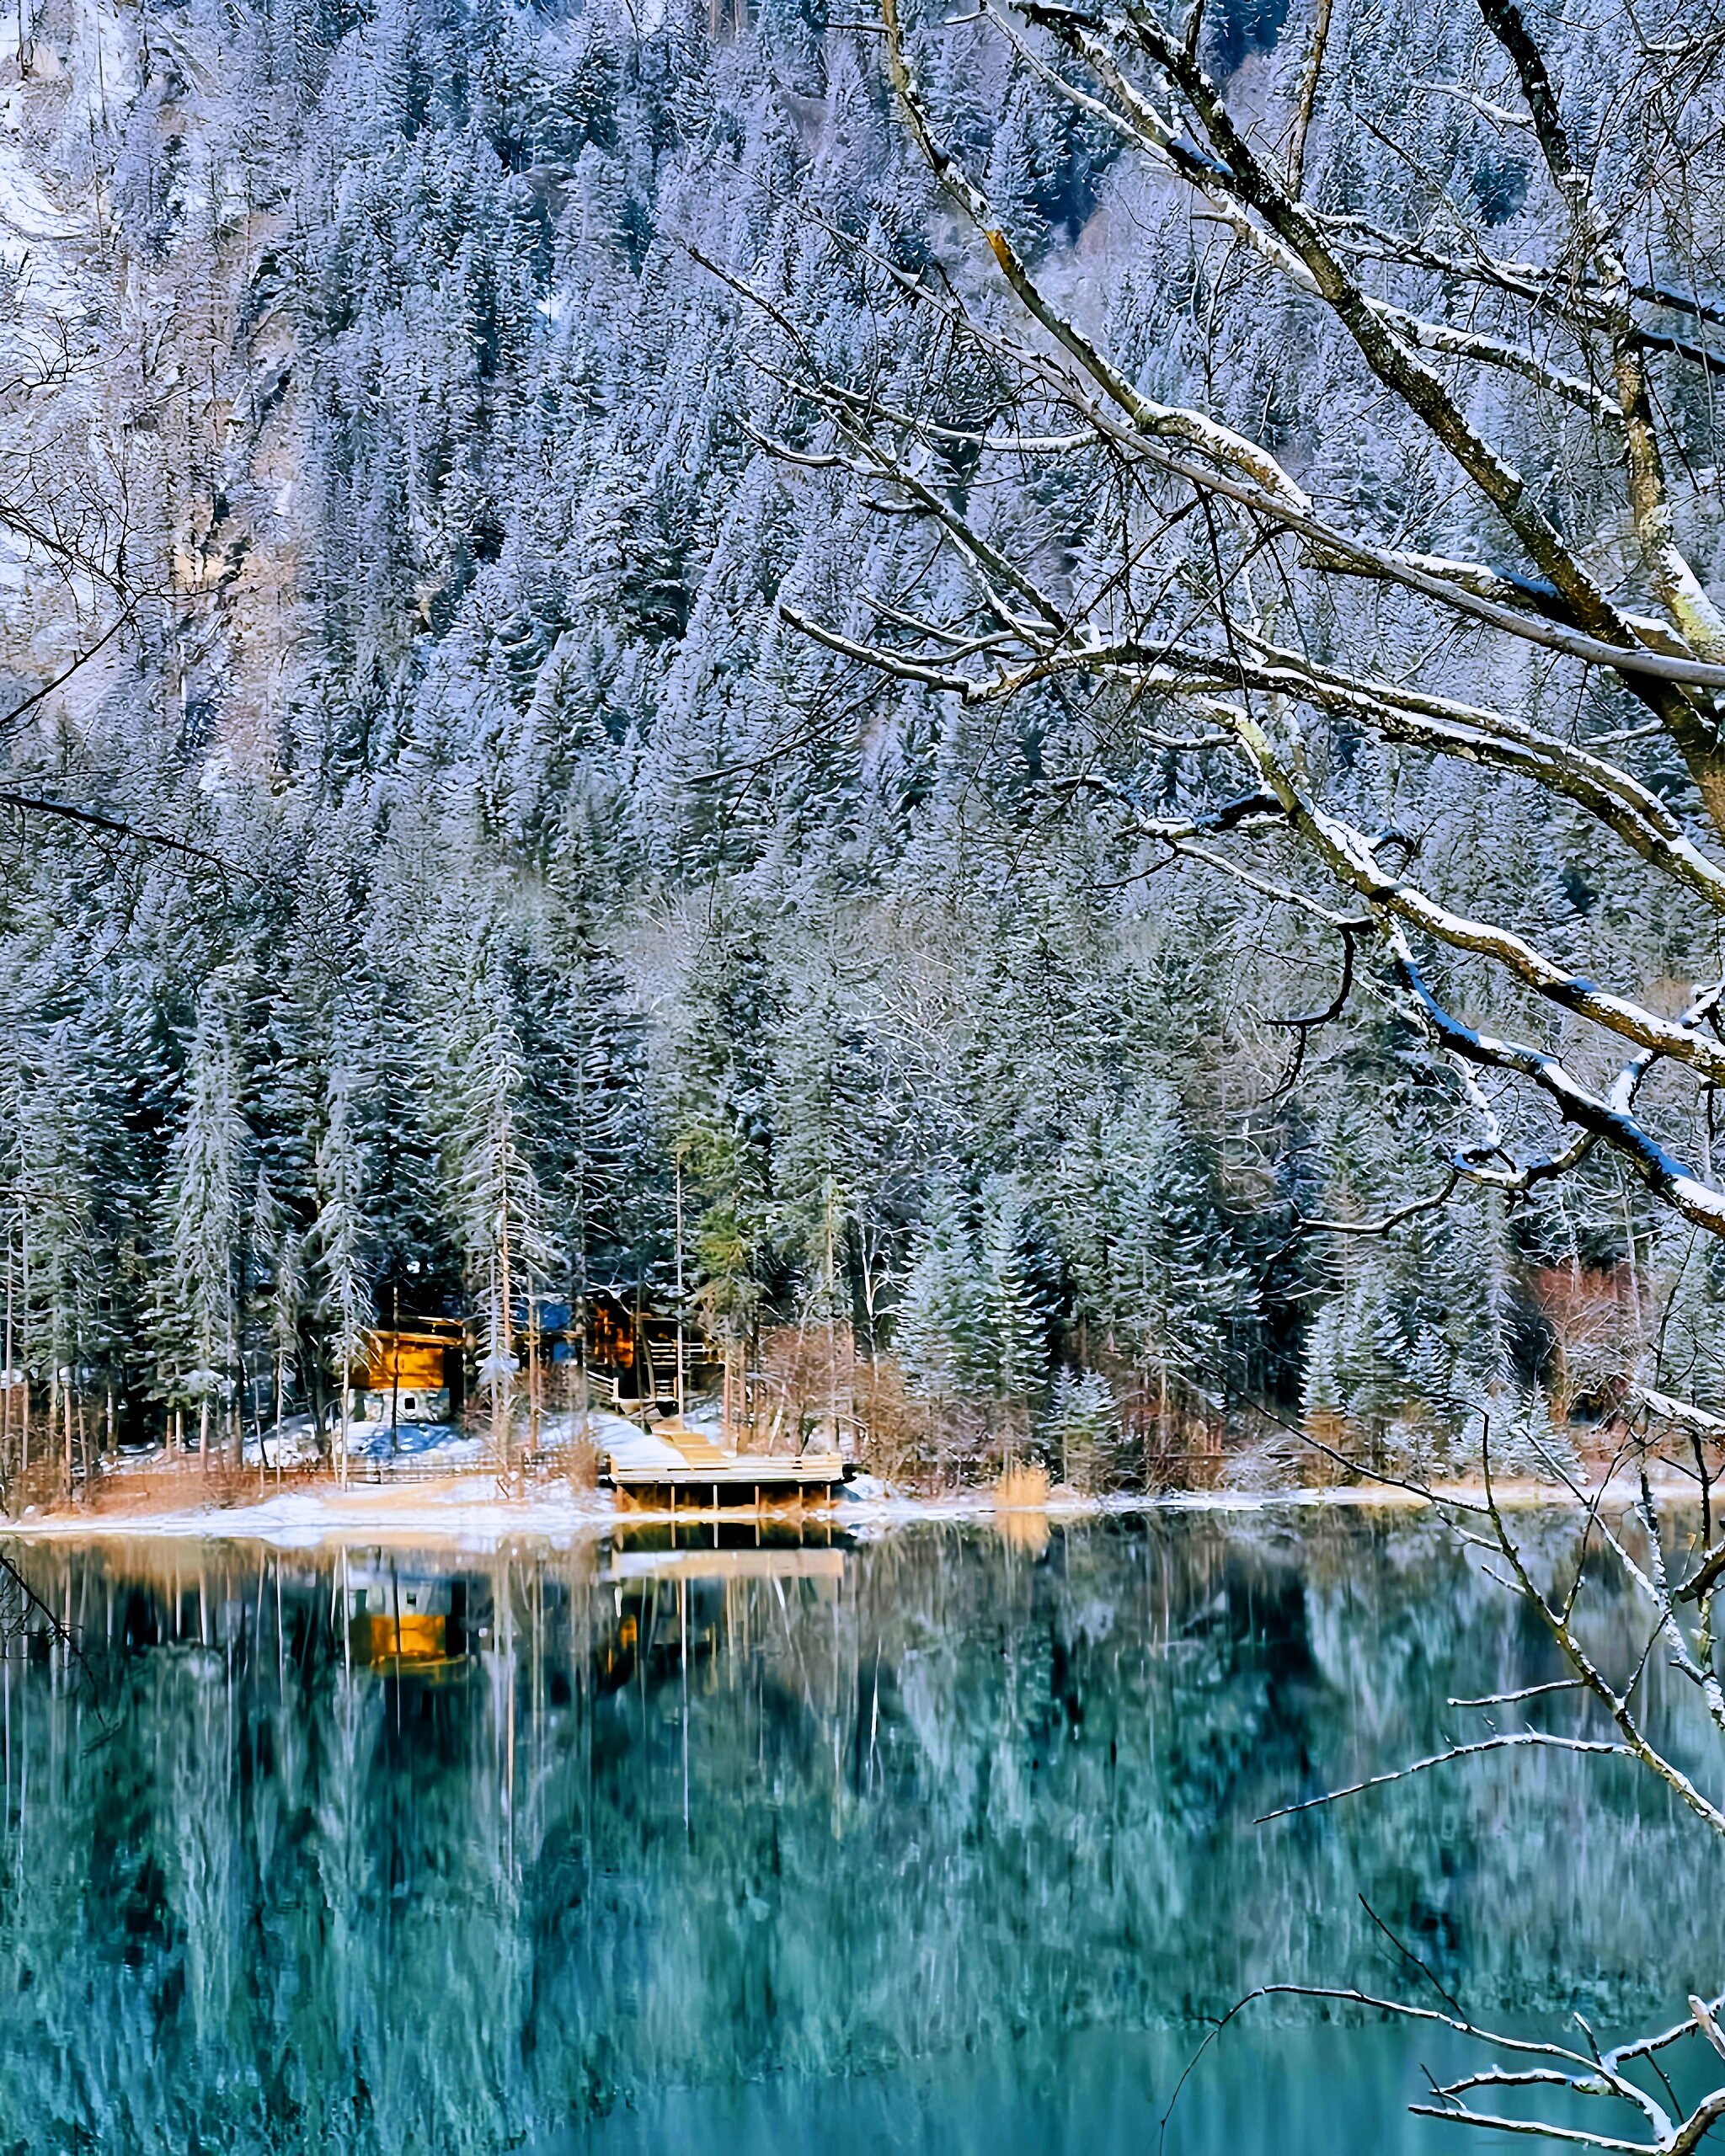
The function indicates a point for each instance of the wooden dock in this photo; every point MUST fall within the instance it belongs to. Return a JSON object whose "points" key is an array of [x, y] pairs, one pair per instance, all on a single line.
{"points": [[684, 1467]]}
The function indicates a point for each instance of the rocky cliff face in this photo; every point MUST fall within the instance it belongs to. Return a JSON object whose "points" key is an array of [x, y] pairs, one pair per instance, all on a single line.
{"points": [[147, 429]]}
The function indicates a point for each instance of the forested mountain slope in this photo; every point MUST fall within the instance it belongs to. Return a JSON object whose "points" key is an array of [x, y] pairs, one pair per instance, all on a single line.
{"points": [[384, 450]]}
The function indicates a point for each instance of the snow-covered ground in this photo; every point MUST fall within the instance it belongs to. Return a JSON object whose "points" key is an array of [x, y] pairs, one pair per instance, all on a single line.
{"points": [[419, 1444], [414, 1447], [464, 1511], [474, 1511], [424, 1481]]}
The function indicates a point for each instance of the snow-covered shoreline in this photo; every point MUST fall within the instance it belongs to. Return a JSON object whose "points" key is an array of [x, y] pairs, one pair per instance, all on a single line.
{"points": [[470, 1512]]}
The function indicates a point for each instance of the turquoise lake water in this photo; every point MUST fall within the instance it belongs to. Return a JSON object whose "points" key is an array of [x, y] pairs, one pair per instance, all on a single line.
{"points": [[934, 1841]]}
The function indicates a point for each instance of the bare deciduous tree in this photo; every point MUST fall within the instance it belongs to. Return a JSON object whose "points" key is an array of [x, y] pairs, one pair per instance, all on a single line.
{"points": [[1531, 610], [1677, 1575], [1541, 401]]}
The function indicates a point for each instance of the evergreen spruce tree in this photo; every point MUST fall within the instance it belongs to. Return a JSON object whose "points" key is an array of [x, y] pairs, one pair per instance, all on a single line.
{"points": [[496, 1191], [721, 1129], [941, 1332], [1158, 1264], [1082, 1429], [602, 1167], [339, 1244], [207, 1163], [1016, 1311]]}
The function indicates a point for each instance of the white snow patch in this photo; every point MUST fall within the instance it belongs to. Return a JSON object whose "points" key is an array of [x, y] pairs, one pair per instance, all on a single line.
{"points": [[468, 1512]]}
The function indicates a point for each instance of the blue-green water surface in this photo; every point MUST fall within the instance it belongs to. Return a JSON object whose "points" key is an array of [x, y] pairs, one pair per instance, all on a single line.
{"points": [[941, 1840]]}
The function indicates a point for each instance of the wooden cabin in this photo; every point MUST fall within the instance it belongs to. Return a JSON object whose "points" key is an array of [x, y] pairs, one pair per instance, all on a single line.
{"points": [[630, 1350], [413, 1372]]}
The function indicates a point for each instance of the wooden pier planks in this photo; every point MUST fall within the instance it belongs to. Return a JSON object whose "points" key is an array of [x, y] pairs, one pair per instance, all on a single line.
{"points": [[733, 1471]]}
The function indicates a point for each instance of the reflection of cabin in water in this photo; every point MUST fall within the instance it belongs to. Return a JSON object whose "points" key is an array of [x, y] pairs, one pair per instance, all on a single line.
{"points": [[412, 1372], [404, 1620]]}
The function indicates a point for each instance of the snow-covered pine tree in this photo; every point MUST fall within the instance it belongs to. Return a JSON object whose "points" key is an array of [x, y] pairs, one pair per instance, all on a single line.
{"points": [[202, 1206], [1159, 1271], [1015, 1303], [339, 1245], [940, 1332], [495, 1187], [1081, 1432]]}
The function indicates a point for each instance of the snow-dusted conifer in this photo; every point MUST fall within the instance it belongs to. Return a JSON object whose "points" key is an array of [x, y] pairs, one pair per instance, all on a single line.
{"points": [[206, 1162]]}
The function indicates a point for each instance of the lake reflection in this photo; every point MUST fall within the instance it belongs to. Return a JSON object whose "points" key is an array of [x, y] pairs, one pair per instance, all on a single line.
{"points": [[939, 1840]]}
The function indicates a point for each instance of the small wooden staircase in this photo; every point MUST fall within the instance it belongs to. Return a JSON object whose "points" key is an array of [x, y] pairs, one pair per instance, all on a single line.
{"points": [[696, 1450], [662, 1368]]}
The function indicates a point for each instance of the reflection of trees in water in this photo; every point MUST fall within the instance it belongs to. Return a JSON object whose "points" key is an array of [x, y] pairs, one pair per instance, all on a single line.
{"points": [[294, 1890]]}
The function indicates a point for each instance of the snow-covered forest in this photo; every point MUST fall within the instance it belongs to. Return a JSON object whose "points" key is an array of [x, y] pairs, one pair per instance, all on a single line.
{"points": [[467, 846]]}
